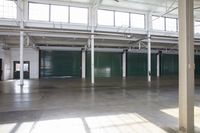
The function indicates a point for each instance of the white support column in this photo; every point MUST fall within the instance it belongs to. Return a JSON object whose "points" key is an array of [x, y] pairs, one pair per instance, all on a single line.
{"points": [[21, 57], [158, 65], [93, 23], [83, 75], [186, 66], [149, 57], [149, 25], [92, 59], [20, 8], [124, 64]]}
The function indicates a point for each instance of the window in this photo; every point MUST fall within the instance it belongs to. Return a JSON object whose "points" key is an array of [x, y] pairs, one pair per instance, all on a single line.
{"points": [[59, 13], [105, 17], [8, 9], [197, 27], [121, 19], [158, 23], [78, 15], [171, 24], [17, 67], [137, 21], [38, 12]]}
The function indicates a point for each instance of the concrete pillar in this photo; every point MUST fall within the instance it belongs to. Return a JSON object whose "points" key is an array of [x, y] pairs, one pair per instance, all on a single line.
{"points": [[158, 65], [186, 66], [149, 57], [83, 75], [20, 11], [124, 64]]}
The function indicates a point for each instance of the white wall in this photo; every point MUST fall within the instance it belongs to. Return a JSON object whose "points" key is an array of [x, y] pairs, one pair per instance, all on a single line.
{"points": [[31, 55], [6, 66]]}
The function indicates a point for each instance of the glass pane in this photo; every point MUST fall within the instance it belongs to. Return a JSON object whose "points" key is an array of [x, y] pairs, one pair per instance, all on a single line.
{"points": [[59, 13], [38, 12], [105, 17], [17, 67], [26, 67], [137, 21], [158, 23], [121, 19], [8, 9], [78, 15], [171, 24], [197, 27]]}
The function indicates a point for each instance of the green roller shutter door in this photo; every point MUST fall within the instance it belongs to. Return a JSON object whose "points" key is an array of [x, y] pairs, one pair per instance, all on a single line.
{"points": [[106, 64], [137, 64], [169, 64], [153, 64], [60, 64], [197, 65]]}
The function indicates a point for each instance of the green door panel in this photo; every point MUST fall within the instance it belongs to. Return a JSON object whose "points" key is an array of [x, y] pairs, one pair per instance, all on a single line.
{"points": [[169, 64], [197, 65], [60, 64], [137, 64], [106, 64]]}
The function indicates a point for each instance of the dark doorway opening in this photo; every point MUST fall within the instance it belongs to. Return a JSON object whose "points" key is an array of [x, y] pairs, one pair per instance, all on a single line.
{"points": [[16, 71]]}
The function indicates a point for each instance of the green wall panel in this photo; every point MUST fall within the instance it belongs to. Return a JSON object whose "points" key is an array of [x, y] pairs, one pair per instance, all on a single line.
{"points": [[106, 64], [137, 64], [60, 64], [169, 64]]}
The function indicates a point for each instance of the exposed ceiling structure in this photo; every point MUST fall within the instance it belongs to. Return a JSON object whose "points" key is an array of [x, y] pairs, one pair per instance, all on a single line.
{"points": [[120, 40], [154, 6]]}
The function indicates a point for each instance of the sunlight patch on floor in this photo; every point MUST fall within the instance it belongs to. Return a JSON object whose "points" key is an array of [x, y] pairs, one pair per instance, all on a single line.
{"points": [[122, 123], [175, 113], [7, 128]]}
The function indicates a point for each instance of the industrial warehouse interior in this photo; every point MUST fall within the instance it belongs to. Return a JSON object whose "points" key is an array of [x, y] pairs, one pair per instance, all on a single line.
{"points": [[99, 66]]}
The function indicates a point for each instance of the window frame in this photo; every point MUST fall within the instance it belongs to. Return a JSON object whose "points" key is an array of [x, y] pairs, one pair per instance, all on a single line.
{"points": [[155, 20], [113, 18], [87, 23], [195, 26], [166, 24], [16, 13], [42, 4], [144, 20], [58, 21]]}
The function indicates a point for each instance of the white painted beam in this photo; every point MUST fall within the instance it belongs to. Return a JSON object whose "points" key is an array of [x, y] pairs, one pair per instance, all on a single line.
{"points": [[186, 66]]}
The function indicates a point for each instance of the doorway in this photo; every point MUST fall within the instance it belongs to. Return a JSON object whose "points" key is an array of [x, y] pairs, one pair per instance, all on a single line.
{"points": [[16, 72]]}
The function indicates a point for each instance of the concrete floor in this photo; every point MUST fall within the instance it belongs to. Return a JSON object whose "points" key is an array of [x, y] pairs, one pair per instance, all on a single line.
{"points": [[73, 106]]}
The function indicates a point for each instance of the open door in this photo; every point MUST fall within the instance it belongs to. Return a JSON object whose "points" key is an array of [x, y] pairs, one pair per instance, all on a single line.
{"points": [[16, 72]]}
